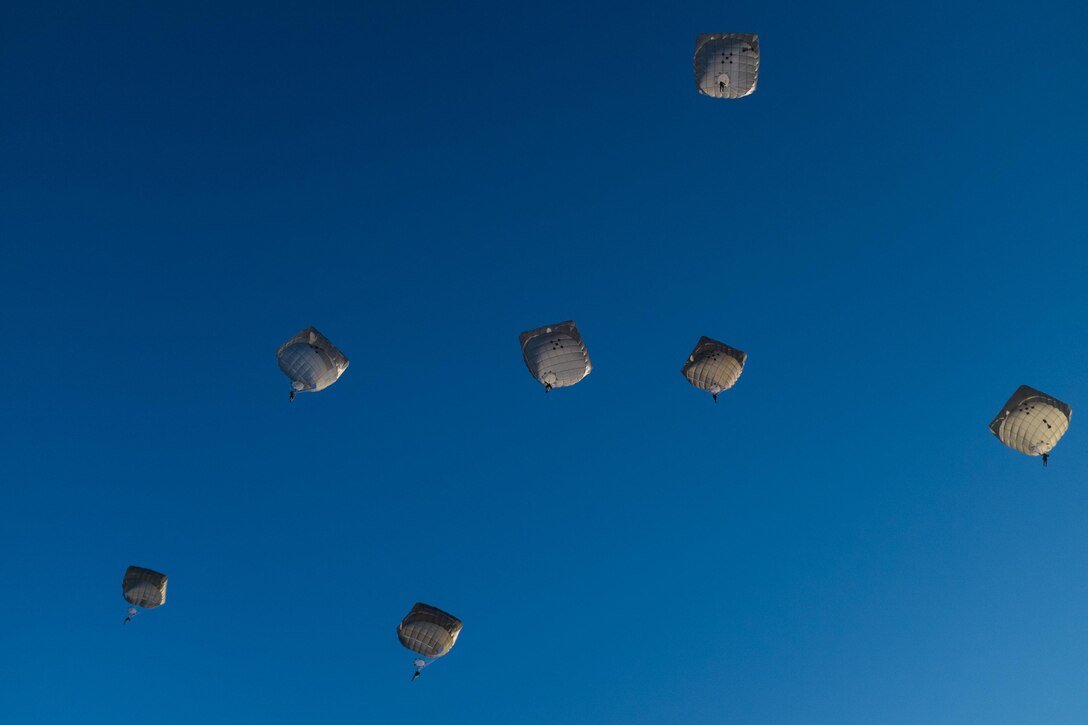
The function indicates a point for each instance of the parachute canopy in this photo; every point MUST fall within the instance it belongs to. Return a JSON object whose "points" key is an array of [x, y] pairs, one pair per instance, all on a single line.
{"points": [[429, 631], [1031, 422], [713, 366], [726, 64], [144, 587], [555, 354], [311, 361]]}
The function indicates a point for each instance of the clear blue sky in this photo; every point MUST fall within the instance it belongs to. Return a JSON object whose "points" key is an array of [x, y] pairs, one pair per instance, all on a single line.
{"points": [[891, 227]]}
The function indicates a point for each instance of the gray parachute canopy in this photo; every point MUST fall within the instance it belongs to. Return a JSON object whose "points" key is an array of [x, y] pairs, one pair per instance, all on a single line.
{"points": [[1031, 421], [429, 631], [555, 354], [714, 366], [311, 361], [726, 64], [144, 587]]}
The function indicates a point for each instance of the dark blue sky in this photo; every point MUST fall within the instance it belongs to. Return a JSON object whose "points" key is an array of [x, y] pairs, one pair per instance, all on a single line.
{"points": [[891, 227]]}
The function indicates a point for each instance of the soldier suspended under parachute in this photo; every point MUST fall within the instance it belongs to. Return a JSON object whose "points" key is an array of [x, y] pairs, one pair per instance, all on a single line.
{"points": [[726, 64], [429, 632], [311, 362], [555, 355], [143, 588], [714, 366], [1032, 422]]}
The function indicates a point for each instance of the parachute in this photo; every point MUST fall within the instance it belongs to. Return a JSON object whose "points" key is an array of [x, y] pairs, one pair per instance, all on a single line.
{"points": [[556, 355], [428, 631], [143, 588], [311, 362], [1032, 422], [726, 64], [713, 366]]}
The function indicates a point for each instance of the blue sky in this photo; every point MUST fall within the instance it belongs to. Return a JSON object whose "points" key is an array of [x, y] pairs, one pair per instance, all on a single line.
{"points": [[890, 227]]}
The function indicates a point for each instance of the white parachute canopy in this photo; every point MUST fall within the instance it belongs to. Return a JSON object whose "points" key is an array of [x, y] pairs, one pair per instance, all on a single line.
{"points": [[1032, 422], [714, 366], [726, 64], [555, 354], [311, 362]]}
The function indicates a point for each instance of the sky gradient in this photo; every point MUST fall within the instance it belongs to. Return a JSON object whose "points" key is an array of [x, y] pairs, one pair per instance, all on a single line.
{"points": [[891, 228]]}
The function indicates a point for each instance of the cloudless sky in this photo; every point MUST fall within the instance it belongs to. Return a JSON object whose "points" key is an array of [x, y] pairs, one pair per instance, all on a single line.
{"points": [[891, 227]]}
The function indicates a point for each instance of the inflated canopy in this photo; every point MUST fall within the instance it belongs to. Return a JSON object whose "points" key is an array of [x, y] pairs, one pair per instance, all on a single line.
{"points": [[429, 631], [555, 354], [311, 361], [713, 366], [1031, 422], [726, 64], [144, 587]]}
